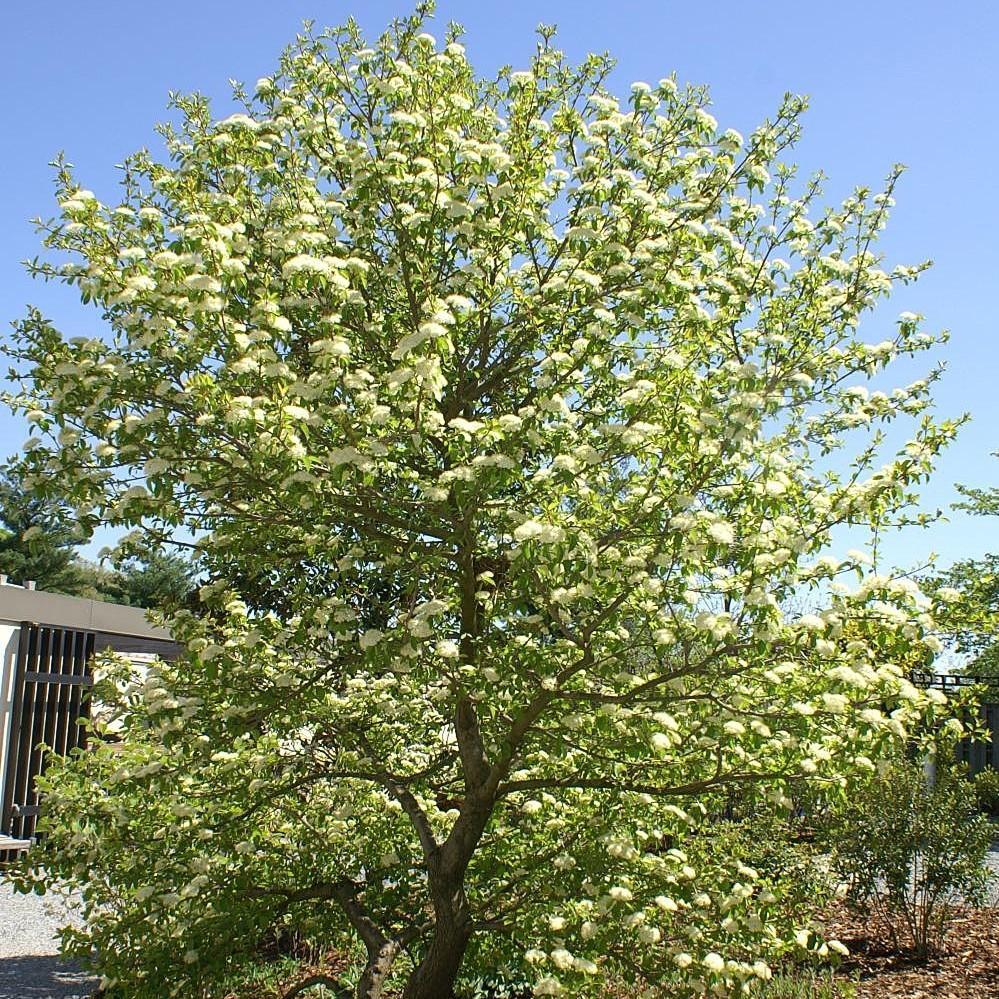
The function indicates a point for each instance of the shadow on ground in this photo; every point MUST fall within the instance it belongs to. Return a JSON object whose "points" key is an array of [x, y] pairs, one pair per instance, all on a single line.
{"points": [[45, 977]]}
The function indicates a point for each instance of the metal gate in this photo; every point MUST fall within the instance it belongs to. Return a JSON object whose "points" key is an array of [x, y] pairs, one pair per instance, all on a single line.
{"points": [[978, 754], [52, 676]]}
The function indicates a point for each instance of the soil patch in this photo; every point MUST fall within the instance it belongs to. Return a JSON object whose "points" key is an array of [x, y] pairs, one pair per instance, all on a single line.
{"points": [[966, 966]]}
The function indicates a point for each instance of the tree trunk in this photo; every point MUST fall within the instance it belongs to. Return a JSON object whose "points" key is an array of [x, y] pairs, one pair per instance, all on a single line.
{"points": [[434, 977], [377, 971], [436, 974]]}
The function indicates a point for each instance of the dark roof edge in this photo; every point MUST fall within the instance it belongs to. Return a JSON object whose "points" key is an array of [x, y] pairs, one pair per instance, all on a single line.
{"points": [[18, 604]]}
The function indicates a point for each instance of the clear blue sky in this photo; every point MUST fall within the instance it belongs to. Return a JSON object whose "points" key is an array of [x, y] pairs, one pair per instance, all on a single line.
{"points": [[889, 81]]}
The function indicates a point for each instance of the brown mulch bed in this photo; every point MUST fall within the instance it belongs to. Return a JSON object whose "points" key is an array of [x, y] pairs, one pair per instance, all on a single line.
{"points": [[966, 967]]}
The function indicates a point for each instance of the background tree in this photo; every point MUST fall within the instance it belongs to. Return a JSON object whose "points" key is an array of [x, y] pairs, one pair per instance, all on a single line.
{"points": [[38, 539], [554, 388], [153, 577], [970, 588]]}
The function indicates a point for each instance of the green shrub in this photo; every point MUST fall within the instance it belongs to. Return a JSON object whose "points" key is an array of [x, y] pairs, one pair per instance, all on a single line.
{"points": [[910, 848], [498, 986], [987, 789], [808, 984]]}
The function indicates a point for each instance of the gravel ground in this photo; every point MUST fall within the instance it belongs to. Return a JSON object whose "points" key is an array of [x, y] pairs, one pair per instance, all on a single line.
{"points": [[992, 862], [29, 966]]}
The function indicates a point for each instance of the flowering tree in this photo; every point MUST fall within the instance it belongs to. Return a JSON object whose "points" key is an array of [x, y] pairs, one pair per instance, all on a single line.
{"points": [[531, 405]]}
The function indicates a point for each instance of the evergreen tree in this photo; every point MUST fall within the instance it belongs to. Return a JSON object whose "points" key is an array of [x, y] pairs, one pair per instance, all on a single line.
{"points": [[37, 539]]}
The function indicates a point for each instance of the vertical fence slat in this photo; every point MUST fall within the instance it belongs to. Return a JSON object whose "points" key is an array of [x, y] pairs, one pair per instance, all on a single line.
{"points": [[30, 729], [72, 667], [47, 663], [79, 735], [53, 697]]}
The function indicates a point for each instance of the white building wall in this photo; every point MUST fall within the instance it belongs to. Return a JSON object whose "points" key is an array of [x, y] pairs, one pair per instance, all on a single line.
{"points": [[9, 633]]}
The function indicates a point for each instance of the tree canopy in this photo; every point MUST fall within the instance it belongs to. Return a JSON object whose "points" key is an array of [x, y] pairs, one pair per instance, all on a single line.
{"points": [[525, 408]]}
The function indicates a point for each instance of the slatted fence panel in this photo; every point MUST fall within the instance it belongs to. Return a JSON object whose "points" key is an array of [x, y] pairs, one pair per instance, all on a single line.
{"points": [[978, 754], [52, 677], [984, 753]]}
